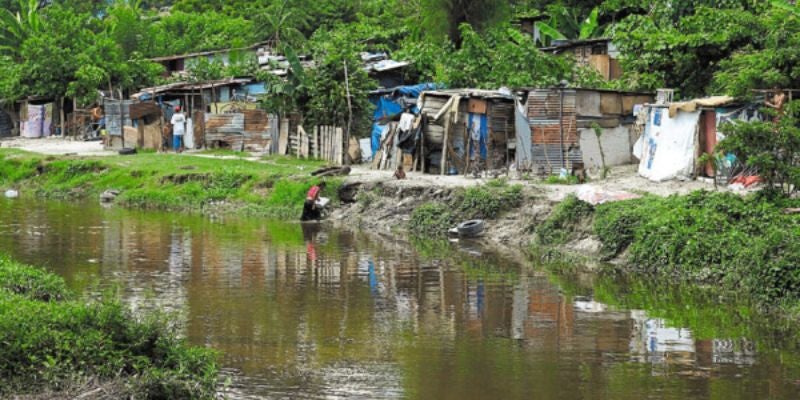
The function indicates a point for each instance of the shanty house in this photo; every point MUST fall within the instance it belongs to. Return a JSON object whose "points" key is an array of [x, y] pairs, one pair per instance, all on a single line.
{"points": [[600, 54], [467, 130], [578, 128], [676, 134]]}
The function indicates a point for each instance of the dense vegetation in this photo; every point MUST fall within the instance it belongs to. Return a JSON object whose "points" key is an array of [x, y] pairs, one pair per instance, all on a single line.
{"points": [[742, 244], [51, 341], [72, 48], [275, 186]]}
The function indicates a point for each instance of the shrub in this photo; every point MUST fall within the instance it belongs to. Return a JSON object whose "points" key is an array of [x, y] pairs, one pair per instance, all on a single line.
{"points": [[743, 244], [564, 221], [772, 148], [487, 202], [431, 219], [48, 343]]}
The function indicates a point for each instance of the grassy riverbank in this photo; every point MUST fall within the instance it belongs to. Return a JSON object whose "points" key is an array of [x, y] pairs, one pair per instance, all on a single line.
{"points": [[54, 344], [746, 246], [275, 187]]}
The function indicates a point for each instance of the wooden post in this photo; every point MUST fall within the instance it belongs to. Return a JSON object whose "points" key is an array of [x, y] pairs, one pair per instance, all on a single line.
{"points": [[339, 152], [62, 117], [349, 113], [443, 160], [422, 149], [75, 117], [316, 142]]}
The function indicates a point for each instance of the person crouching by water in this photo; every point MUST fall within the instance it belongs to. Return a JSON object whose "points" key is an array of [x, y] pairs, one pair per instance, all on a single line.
{"points": [[311, 211]]}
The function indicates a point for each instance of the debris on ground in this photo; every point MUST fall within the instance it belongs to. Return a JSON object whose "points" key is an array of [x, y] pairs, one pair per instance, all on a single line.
{"points": [[109, 195]]}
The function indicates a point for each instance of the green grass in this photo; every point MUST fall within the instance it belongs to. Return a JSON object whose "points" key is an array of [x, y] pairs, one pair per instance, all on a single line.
{"points": [[739, 244], [224, 152], [50, 341], [564, 222], [274, 187], [478, 202]]}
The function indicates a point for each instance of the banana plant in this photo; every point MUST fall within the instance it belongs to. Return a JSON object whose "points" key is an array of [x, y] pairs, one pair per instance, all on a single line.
{"points": [[563, 25], [15, 28]]}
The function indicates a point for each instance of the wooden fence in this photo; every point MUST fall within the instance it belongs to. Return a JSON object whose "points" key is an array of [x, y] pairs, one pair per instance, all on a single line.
{"points": [[323, 142]]}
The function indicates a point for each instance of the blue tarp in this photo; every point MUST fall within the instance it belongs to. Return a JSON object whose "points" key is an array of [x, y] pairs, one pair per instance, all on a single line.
{"points": [[388, 104], [483, 134]]}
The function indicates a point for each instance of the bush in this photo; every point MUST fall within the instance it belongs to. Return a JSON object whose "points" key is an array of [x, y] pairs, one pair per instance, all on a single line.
{"points": [[744, 244], [478, 202], [431, 219], [771, 148], [49, 343], [564, 221], [488, 201]]}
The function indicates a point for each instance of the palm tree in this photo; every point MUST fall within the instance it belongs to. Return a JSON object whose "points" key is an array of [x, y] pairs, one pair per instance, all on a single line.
{"points": [[282, 23], [15, 28]]}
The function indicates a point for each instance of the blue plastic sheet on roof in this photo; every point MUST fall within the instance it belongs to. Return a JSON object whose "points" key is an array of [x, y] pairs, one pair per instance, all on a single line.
{"points": [[389, 105]]}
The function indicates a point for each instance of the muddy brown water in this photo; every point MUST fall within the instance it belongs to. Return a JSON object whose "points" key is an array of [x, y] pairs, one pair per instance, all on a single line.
{"points": [[311, 312]]}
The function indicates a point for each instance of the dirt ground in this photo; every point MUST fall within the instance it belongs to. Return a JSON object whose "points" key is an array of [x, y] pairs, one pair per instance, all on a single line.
{"points": [[56, 146], [623, 178]]}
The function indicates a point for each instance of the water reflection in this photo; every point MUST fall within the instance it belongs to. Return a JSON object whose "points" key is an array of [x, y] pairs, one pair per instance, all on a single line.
{"points": [[299, 311]]}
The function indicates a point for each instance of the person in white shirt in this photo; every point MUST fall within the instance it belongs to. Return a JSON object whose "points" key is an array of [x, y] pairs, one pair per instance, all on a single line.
{"points": [[178, 122]]}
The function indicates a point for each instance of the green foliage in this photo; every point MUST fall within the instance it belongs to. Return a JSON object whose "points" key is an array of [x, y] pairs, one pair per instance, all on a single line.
{"points": [[501, 57], [558, 180], [566, 219], [615, 223], [567, 23], [186, 32], [48, 341], [479, 202], [772, 148], [487, 202], [31, 283], [479, 14], [431, 220], [739, 244], [336, 51]]}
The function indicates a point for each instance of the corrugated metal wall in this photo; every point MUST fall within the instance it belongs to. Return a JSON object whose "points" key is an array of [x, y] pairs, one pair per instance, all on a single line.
{"points": [[249, 130], [544, 108]]}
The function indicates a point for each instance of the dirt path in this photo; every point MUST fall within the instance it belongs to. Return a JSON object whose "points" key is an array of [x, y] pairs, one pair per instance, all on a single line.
{"points": [[624, 178], [57, 146]]}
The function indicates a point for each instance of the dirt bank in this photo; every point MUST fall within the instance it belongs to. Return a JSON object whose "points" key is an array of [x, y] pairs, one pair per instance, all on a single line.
{"points": [[384, 205]]}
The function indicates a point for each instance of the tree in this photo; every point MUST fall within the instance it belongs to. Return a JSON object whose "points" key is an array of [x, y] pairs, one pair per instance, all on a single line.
{"points": [[328, 87], [684, 55], [445, 17], [771, 60], [282, 23]]}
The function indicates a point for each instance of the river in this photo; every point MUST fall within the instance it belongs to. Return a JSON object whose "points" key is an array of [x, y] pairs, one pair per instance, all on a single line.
{"points": [[312, 312]]}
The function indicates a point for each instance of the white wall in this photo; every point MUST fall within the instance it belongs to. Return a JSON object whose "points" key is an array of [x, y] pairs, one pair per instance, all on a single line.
{"points": [[616, 147]]}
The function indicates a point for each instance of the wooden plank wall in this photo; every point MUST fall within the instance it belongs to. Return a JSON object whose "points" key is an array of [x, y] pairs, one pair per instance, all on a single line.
{"points": [[322, 142]]}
